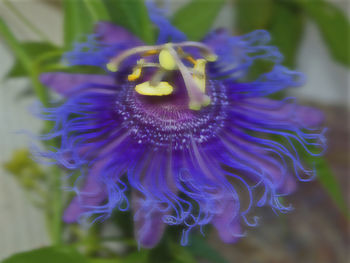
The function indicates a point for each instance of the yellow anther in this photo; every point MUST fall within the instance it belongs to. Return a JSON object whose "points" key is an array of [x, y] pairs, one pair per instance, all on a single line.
{"points": [[206, 101], [194, 105], [211, 57], [197, 105], [161, 89], [112, 67], [136, 73], [150, 53], [199, 74], [166, 60], [191, 59]]}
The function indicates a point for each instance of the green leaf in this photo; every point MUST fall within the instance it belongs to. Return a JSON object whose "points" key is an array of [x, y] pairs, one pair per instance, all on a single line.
{"points": [[197, 17], [283, 19], [15, 46], [97, 10], [199, 247], [334, 26], [137, 256], [26, 61], [105, 260], [33, 50], [182, 254], [77, 21], [286, 28], [48, 254], [252, 14], [330, 183], [133, 15]]}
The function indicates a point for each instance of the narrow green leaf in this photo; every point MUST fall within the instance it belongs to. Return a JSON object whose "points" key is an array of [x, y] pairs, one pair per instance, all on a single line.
{"points": [[286, 28], [26, 61], [252, 14], [33, 50], [15, 45], [133, 15], [197, 17], [202, 249], [97, 10], [331, 184], [48, 254], [77, 21], [144, 23], [334, 26]]}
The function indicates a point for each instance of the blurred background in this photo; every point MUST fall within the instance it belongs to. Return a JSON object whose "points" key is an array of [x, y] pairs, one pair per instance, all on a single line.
{"points": [[314, 36]]}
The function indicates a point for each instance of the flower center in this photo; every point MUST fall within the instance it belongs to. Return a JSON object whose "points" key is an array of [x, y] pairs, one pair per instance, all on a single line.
{"points": [[167, 59], [167, 121]]}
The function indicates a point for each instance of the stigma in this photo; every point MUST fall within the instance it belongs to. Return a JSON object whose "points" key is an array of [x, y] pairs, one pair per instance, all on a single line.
{"points": [[166, 59]]}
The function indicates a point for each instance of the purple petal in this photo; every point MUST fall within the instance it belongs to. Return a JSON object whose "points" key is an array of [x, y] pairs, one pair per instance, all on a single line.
{"points": [[284, 112], [112, 34], [93, 193], [227, 225], [65, 83], [311, 117], [256, 157], [217, 38], [149, 226]]}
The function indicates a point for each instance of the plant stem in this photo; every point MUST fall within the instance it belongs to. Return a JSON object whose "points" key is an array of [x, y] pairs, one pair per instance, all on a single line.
{"points": [[26, 61], [57, 207], [41, 92]]}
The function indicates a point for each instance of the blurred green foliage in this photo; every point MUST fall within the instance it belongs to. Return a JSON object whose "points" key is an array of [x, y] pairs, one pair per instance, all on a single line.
{"points": [[62, 254], [132, 15], [334, 26], [77, 21], [35, 51], [197, 26], [284, 19], [29, 174]]}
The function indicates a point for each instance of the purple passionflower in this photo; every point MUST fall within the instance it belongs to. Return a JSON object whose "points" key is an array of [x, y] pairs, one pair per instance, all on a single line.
{"points": [[176, 122]]}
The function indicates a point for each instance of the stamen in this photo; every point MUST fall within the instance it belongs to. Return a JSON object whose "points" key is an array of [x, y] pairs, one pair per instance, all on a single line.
{"points": [[185, 55], [136, 73], [150, 53], [199, 74], [190, 59], [115, 62], [206, 52], [150, 65], [170, 58], [196, 96], [157, 77], [137, 70]]}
